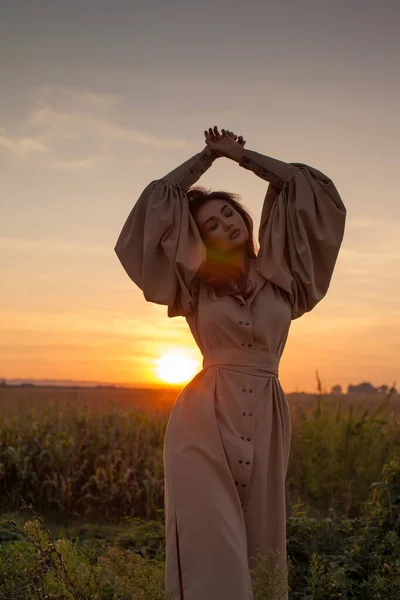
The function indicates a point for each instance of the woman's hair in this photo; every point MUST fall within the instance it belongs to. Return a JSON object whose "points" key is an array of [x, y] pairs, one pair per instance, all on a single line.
{"points": [[222, 278]]}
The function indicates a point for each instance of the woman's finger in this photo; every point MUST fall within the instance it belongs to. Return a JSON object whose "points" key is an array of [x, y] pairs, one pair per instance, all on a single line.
{"points": [[216, 133], [213, 134]]}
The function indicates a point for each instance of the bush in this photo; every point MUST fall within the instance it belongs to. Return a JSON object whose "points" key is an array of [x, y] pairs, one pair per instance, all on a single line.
{"points": [[328, 559]]}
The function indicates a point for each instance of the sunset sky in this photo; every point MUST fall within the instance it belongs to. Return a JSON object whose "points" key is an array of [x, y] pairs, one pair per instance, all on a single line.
{"points": [[98, 98]]}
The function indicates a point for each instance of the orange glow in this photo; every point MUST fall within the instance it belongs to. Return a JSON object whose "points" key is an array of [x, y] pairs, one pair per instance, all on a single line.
{"points": [[176, 367]]}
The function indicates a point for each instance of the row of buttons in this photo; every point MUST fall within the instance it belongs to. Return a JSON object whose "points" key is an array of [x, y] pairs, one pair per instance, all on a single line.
{"points": [[250, 414], [242, 304], [241, 461]]}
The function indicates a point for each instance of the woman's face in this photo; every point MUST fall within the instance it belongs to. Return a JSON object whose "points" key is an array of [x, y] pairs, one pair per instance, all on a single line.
{"points": [[221, 226]]}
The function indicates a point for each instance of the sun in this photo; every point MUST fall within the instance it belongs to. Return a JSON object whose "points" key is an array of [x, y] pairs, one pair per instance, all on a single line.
{"points": [[176, 367]]}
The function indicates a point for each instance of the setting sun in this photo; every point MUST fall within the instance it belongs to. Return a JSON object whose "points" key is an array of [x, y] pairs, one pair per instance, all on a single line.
{"points": [[176, 367]]}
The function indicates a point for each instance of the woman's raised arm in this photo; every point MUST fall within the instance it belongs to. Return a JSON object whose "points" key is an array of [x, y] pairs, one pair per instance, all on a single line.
{"points": [[159, 245], [229, 145]]}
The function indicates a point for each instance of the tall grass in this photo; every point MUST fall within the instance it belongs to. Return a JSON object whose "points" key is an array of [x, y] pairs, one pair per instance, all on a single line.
{"points": [[337, 451], [108, 463], [82, 463]]}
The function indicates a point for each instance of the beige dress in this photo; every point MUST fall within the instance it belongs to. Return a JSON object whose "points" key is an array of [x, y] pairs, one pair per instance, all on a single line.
{"points": [[228, 436]]}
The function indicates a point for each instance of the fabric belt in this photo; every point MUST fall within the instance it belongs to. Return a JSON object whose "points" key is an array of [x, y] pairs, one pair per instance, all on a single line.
{"points": [[261, 362]]}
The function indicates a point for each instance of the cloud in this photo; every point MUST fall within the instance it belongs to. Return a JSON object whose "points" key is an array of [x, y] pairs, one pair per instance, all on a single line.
{"points": [[23, 146], [366, 260], [160, 333], [49, 247], [72, 97], [76, 124], [72, 128]]}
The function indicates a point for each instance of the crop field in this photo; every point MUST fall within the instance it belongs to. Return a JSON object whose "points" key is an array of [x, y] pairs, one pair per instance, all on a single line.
{"points": [[94, 458], [98, 452]]}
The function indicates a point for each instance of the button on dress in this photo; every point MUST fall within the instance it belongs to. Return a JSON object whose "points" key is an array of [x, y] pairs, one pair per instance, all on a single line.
{"points": [[227, 441]]}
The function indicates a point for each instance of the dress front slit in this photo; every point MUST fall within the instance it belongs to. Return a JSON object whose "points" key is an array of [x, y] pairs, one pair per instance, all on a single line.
{"points": [[179, 562]]}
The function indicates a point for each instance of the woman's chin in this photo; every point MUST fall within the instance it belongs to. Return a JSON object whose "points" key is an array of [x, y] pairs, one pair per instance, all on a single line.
{"points": [[239, 241]]}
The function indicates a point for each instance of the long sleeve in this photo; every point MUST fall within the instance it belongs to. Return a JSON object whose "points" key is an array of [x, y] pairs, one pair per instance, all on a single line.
{"points": [[301, 229], [160, 246]]}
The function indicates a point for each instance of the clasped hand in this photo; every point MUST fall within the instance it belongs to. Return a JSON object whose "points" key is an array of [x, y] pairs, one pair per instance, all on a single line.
{"points": [[225, 143]]}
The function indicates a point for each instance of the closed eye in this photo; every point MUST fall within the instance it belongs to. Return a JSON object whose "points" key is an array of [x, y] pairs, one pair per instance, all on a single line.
{"points": [[215, 225]]}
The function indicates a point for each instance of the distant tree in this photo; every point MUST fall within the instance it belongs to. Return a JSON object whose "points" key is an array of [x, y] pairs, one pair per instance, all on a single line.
{"points": [[386, 390], [362, 388], [3, 383], [383, 389], [336, 389]]}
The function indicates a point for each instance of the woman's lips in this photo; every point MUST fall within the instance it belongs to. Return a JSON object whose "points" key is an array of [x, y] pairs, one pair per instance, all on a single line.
{"points": [[234, 234]]}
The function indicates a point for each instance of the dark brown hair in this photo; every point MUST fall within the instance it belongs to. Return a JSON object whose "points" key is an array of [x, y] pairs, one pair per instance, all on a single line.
{"points": [[222, 278]]}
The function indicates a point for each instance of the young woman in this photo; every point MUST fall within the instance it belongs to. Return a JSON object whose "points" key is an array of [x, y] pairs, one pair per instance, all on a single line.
{"points": [[227, 441]]}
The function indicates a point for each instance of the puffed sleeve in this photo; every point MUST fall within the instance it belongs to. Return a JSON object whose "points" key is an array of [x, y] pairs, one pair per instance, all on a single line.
{"points": [[301, 229], [160, 246]]}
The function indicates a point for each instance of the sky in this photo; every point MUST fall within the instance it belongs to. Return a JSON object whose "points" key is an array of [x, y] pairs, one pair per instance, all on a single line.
{"points": [[98, 98]]}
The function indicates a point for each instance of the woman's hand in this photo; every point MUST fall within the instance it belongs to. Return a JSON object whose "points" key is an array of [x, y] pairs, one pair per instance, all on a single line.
{"points": [[225, 143]]}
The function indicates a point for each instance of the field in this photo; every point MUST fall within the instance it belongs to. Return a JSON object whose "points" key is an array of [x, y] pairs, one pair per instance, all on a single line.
{"points": [[89, 461]]}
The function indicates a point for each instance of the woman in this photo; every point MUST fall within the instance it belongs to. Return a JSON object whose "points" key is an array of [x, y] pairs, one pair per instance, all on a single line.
{"points": [[228, 436]]}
